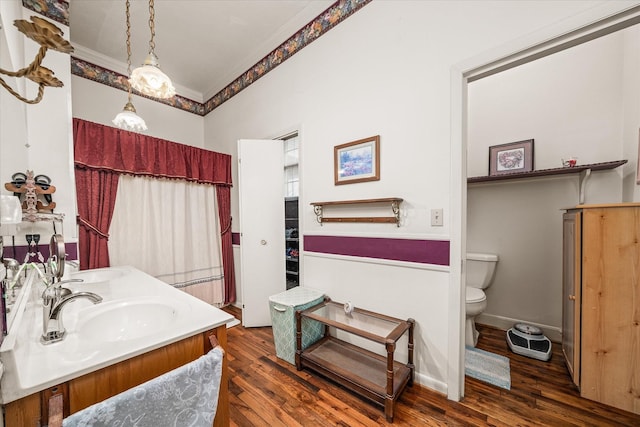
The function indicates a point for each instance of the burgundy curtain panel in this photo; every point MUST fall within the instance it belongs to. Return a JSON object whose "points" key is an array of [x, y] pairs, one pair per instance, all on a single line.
{"points": [[223, 194], [96, 196], [102, 153]]}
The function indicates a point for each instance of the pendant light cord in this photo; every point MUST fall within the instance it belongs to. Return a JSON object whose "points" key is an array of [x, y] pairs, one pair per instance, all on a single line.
{"points": [[128, 51], [152, 26]]}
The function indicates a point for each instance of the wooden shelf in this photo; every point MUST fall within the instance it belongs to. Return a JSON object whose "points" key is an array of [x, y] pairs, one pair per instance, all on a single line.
{"points": [[583, 170], [42, 217], [548, 172], [378, 378], [357, 369], [394, 202]]}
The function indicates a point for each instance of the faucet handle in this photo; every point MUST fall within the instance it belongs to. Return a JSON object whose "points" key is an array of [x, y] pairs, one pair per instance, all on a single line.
{"points": [[49, 295]]}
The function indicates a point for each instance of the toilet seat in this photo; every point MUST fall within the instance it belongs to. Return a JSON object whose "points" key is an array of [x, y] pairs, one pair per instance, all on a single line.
{"points": [[475, 295]]}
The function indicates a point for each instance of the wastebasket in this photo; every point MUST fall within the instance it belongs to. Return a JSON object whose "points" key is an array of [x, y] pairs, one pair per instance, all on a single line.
{"points": [[283, 307]]}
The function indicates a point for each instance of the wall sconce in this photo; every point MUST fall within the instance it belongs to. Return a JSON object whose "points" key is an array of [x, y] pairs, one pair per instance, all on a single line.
{"points": [[48, 36]]}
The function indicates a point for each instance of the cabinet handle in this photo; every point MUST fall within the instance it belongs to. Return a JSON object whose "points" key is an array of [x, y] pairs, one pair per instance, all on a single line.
{"points": [[572, 297]]}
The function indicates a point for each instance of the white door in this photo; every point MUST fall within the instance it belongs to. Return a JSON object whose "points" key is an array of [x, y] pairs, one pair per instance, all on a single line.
{"points": [[262, 248]]}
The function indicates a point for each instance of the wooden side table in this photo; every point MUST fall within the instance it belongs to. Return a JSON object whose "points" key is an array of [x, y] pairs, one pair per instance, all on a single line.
{"points": [[380, 379]]}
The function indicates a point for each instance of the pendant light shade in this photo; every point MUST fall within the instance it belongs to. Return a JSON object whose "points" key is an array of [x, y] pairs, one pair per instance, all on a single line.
{"points": [[149, 79], [128, 119]]}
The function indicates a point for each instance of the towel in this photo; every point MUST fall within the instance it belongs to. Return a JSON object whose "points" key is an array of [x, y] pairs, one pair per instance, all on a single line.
{"points": [[184, 397]]}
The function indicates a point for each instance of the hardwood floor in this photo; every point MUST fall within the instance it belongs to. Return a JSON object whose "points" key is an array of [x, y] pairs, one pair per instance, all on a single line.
{"points": [[267, 391]]}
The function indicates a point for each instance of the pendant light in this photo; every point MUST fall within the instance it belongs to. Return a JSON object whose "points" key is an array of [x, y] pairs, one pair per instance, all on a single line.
{"points": [[149, 79], [128, 119]]}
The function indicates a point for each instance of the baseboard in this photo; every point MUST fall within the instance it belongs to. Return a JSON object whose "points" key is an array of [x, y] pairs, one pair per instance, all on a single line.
{"points": [[430, 383], [505, 323]]}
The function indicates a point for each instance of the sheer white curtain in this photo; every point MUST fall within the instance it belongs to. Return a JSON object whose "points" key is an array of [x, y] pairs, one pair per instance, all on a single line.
{"points": [[170, 230]]}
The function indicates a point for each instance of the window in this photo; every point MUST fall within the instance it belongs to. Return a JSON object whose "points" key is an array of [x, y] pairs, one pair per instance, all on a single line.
{"points": [[291, 153]]}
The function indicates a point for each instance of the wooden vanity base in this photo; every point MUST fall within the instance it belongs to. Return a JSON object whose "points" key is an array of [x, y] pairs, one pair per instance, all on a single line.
{"points": [[97, 386]]}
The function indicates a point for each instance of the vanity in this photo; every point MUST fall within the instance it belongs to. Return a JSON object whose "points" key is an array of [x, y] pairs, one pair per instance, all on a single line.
{"points": [[141, 329]]}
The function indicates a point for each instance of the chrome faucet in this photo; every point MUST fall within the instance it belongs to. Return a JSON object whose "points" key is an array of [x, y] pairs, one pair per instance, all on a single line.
{"points": [[54, 299]]}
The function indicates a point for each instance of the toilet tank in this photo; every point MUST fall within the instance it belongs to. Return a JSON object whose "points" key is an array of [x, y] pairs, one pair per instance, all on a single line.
{"points": [[481, 269]]}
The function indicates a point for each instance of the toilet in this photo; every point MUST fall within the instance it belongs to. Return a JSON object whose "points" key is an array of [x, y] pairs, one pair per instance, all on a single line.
{"points": [[480, 272]]}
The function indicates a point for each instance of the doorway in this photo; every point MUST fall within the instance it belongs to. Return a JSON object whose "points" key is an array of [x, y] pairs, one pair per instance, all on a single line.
{"points": [[291, 145], [270, 243], [603, 21]]}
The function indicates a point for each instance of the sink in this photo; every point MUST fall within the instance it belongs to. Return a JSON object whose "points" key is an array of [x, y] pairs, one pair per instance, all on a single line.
{"points": [[125, 320], [97, 275]]}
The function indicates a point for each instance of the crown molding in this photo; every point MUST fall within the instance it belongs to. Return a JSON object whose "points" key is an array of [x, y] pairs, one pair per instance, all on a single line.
{"points": [[99, 68], [119, 67]]}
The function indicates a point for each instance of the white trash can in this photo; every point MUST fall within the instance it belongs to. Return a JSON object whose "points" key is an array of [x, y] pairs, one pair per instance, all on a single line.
{"points": [[283, 307]]}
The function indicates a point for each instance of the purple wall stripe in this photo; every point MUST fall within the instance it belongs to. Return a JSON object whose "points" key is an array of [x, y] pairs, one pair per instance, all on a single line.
{"points": [[21, 251], [421, 251]]}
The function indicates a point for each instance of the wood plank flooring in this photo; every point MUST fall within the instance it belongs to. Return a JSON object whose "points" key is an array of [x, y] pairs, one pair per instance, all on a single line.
{"points": [[267, 391]]}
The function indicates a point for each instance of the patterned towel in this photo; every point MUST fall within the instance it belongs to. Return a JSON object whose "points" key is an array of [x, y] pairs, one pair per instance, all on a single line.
{"points": [[186, 396]]}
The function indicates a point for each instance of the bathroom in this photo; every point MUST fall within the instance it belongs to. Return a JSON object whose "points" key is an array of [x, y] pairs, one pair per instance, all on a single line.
{"points": [[418, 158], [571, 103]]}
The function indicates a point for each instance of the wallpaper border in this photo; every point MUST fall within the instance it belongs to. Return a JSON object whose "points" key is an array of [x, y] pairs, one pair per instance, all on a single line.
{"points": [[332, 16]]}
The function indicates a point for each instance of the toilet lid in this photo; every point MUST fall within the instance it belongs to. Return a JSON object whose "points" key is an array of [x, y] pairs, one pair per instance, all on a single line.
{"points": [[475, 295]]}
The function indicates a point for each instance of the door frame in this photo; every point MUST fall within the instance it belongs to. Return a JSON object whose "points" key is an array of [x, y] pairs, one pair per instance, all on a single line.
{"points": [[282, 136], [593, 23]]}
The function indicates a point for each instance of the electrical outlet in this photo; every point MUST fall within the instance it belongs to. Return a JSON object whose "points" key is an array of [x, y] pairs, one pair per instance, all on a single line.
{"points": [[436, 217]]}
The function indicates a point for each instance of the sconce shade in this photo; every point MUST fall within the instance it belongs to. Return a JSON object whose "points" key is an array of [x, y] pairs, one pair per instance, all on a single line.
{"points": [[48, 36], [45, 76], [44, 33], [150, 80], [127, 119], [10, 210]]}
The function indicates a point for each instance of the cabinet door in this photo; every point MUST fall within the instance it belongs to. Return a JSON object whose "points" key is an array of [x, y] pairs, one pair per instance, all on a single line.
{"points": [[571, 268], [610, 306]]}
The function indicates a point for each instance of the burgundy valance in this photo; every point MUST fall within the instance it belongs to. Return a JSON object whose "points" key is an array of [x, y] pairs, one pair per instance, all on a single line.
{"points": [[100, 147]]}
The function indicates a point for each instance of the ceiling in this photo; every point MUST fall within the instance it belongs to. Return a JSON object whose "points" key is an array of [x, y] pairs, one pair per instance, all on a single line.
{"points": [[201, 45]]}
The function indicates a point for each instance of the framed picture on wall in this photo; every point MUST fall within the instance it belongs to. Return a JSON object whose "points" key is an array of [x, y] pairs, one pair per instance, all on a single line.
{"points": [[357, 161], [510, 158]]}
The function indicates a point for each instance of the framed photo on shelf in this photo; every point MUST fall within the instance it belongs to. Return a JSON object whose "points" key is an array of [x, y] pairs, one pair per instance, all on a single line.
{"points": [[511, 157], [357, 161]]}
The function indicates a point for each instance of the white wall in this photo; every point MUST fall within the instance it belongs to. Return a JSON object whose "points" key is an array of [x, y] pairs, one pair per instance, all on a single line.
{"points": [[13, 156], [99, 103], [631, 127], [571, 104], [45, 126], [385, 70]]}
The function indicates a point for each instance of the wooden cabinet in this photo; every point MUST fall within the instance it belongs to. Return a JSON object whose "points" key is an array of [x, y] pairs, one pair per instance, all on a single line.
{"points": [[601, 307], [571, 267], [380, 379], [94, 387]]}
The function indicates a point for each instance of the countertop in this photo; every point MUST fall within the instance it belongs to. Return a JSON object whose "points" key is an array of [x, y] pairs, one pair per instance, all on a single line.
{"points": [[30, 366]]}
